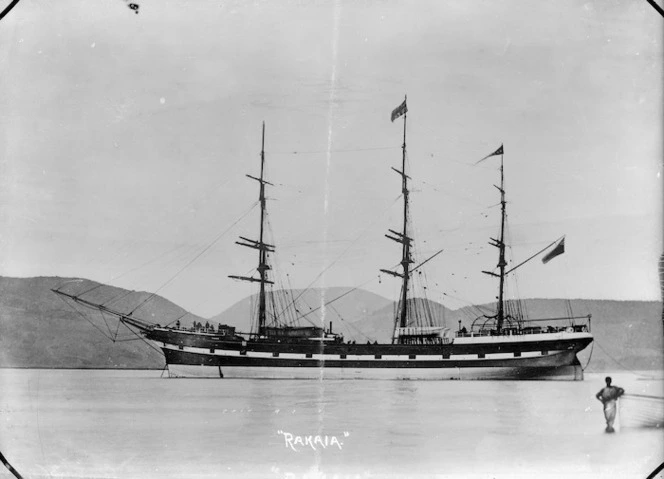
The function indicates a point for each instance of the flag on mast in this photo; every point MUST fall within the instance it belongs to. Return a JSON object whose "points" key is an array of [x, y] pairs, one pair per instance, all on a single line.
{"points": [[400, 110], [556, 251], [499, 151]]}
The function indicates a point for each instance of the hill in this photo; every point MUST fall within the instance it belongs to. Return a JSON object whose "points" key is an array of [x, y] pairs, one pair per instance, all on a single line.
{"points": [[38, 329], [352, 305]]}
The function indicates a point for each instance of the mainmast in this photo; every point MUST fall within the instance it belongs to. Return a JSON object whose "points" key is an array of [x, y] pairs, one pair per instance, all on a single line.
{"points": [[402, 237], [262, 247], [501, 252]]}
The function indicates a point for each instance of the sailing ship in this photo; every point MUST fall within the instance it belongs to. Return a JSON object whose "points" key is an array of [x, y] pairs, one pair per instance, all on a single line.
{"points": [[503, 345]]}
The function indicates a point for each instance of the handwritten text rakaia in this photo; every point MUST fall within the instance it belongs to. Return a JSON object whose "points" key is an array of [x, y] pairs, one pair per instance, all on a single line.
{"points": [[296, 442]]}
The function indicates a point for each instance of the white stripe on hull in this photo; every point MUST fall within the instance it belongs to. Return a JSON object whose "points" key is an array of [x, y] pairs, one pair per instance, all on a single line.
{"points": [[254, 372], [348, 357]]}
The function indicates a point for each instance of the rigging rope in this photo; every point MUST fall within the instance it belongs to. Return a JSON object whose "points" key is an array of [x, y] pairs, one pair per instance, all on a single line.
{"points": [[103, 318], [292, 303], [117, 298], [195, 257], [332, 151], [619, 363], [144, 340], [348, 324], [85, 318], [362, 233], [98, 285], [197, 200], [297, 313], [337, 298], [445, 191], [592, 346], [139, 267]]}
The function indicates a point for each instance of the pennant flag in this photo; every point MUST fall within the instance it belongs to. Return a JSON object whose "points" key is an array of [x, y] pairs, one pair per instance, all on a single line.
{"points": [[499, 151], [400, 110], [556, 251]]}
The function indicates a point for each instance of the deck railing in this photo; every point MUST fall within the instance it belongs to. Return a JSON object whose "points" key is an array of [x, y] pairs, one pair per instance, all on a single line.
{"points": [[570, 324]]}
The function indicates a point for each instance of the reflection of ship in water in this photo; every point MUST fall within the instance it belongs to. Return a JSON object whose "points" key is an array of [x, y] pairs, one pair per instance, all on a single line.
{"points": [[502, 345]]}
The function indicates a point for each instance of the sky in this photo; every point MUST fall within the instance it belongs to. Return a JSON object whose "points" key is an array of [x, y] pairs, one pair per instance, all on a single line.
{"points": [[125, 139]]}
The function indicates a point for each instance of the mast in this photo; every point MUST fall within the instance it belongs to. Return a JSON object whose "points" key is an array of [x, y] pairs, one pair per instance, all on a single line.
{"points": [[500, 244], [262, 252], [262, 247], [501, 252], [405, 254], [402, 237]]}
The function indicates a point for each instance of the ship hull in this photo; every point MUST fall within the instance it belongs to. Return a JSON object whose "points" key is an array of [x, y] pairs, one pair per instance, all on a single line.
{"points": [[541, 356]]}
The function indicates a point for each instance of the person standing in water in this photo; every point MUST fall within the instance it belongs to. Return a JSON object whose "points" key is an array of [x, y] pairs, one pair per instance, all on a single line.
{"points": [[609, 396]]}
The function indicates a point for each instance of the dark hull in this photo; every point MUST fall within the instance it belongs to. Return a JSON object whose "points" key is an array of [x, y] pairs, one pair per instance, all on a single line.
{"points": [[536, 356]]}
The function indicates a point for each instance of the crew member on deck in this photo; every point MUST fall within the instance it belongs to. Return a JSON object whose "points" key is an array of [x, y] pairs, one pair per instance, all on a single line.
{"points": [[609, 397]]}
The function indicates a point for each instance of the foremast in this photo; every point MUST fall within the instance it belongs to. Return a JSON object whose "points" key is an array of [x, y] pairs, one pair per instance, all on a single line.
{"points": [[262, 247], [401, 321]]}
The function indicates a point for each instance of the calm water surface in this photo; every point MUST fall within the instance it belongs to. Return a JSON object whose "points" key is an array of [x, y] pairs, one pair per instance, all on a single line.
{"points": [[134, 424]]}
